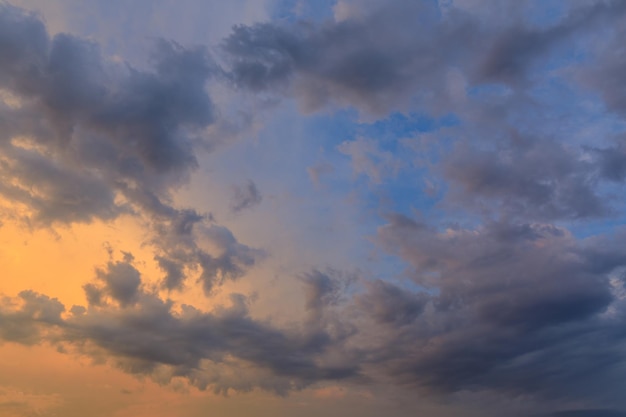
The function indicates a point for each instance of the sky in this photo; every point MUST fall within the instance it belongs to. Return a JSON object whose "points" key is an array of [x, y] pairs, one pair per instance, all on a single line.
{"points": [[303, 208]]}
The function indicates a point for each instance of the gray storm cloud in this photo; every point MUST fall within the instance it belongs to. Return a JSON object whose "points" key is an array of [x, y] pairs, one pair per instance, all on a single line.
{"points": [[101, 139]]}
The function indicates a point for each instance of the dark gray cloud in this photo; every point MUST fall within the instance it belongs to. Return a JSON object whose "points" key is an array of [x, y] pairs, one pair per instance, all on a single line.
{"points": [[378, 62], [116, 123], [322, 289], [512, 54], [605, 73], [528, 178], [88, 138], [174, 275], [150, 338], [511, 308], [54, 191], [438, 58], [394, 51], [121, 281], [519, 270], [95, 128], [325, 296], [518, 308], [589, 413], [612, 162], [388, 303], [391, 53], [187, 244], [245, 197], [230, 262]]}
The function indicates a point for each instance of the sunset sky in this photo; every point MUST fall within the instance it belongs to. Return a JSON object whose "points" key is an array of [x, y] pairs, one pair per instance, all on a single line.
{"points": [[312, 208]]}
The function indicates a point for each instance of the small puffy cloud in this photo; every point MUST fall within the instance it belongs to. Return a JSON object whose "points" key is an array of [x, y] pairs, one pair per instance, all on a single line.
{"points": [[245, 196], [121, 281]]}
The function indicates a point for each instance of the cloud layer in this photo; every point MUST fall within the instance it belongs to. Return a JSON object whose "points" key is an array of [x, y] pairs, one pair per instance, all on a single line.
{"points": [[491, 140]]}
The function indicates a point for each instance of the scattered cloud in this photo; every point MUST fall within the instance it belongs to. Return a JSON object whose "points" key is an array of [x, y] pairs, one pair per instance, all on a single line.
{"points": [[503, 279], [245, 197]]}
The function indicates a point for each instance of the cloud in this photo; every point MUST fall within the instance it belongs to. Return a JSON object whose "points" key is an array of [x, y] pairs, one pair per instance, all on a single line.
{"points": [[150, 338], [528, 178], [321, 289], [589, 413], [604, 74], [491, 289], [174, 275], [103, 127], [512, 55], [120, 281], [186, 242], [518, 308], [385, 56], [245, 197], [91, 138], [53, 191], [612, 162], [376, 62], [387, 303], [28, 317]]}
